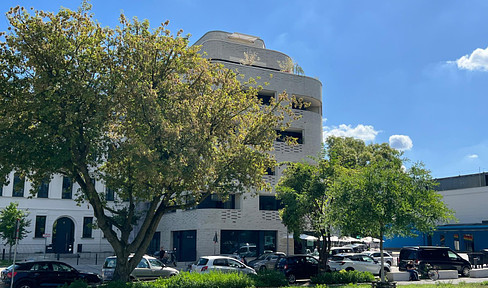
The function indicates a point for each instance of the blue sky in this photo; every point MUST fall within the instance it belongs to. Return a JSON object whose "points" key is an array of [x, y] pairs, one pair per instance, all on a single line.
{"points": [[413, 73]]}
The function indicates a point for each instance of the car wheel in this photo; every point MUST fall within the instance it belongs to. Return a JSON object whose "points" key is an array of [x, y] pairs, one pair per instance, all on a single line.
{"points": [[349, 269], [465, 272], [291, 278], [389, 262], [25, 284], [386, 269], [262, 268]]}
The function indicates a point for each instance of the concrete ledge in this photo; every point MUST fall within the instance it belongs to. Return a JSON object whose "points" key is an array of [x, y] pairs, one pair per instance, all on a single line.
{"points": [[448, 274], [478, 273], [397, 276]]}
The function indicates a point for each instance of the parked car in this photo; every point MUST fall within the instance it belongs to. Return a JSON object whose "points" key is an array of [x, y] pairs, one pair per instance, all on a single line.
{"points": [[297, 267], [47, 273], [222, 264], [357, 247], [149, 268], [266, 261], [443, 258], [248, 250], [376, 255], [5, 272], [340, 250], [358, 262]]}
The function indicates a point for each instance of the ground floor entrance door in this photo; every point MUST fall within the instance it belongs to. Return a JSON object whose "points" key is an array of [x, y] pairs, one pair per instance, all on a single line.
{"points": [[185, 243], [63, 235]]}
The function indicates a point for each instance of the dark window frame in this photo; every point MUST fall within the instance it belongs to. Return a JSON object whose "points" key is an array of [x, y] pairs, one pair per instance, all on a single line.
{"points": [[43, 191], [19, 186], [67, 188], [87, 227], [40, 226], [282, 135], [269, 203]]}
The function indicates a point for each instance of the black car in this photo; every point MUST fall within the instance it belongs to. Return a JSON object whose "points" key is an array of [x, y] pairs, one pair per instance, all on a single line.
{"points": [[442, 258], [47, 274], [298, 267]]}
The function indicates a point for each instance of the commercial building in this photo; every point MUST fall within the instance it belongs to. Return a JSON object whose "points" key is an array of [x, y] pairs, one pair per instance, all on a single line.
{"points": [[248, 222], [467, 196]]}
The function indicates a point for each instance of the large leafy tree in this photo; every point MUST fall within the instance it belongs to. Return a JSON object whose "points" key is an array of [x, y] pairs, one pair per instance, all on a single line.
{"points": [[9, 216], [383, 199], [134, 107]]}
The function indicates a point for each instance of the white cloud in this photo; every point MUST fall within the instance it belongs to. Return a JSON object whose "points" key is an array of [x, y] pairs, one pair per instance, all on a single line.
{"points": [[472, 156], [401, 142], [478, 60], [363, 132]]}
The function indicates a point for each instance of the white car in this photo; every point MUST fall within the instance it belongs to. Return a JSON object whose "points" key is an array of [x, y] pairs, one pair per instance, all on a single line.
{"points": [[220, 263], [340, 250], [376, 255], [358, 262]]}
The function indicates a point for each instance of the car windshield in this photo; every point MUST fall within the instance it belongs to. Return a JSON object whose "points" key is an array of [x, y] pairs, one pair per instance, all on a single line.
{"points": [[262, 256], [155, 263], [110, 263], [202, 261]]}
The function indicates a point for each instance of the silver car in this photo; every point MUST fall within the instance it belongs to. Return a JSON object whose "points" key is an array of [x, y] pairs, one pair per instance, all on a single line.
{"points": [[149, 268], [266, 261], [222, 264]]}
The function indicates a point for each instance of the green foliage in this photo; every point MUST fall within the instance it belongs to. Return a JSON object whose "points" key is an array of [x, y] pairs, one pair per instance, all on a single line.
{"points": [[76, 284], [8, 223], [206, 280], [343, 277], [269, 278], [134, 107], [121, 284]]}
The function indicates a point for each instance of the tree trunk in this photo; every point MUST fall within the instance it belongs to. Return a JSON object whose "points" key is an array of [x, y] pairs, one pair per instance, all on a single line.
{"points": [[382, 258], [122, 268]]}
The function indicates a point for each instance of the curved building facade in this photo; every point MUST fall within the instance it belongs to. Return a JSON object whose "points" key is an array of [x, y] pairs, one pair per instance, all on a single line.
{"points": [[249, 222]]}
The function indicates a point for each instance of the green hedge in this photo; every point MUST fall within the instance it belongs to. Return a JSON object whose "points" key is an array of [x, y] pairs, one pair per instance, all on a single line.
{"points": [[206, 280], [343, 277], [269, 278]]}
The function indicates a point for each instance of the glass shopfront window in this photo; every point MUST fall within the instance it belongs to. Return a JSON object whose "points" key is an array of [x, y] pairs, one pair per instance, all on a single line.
{"points": [[249, 243]]}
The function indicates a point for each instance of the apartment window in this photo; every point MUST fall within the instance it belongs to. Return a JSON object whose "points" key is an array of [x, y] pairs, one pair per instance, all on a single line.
{"points": [[270, 171], [215, 202], [67, 192], [40, 226], [265, 97], [109, 194], [19, 183], [284, 135], [269, 203], [468, 242], [43, 190], [87, 227]]}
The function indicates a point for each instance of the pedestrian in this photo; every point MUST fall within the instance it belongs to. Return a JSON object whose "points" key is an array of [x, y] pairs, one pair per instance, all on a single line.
{"points": [[162, 253], [414, 275]]}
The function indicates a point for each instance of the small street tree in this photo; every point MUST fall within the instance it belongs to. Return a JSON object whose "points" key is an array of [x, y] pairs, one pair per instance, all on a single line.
{"points": [[8, 225], [134, 107], [383, 199], [306, 194]]}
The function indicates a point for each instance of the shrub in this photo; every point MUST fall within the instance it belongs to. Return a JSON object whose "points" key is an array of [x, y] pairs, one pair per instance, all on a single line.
{"points": [[269, 278], [343, 277], [206, 280]]}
